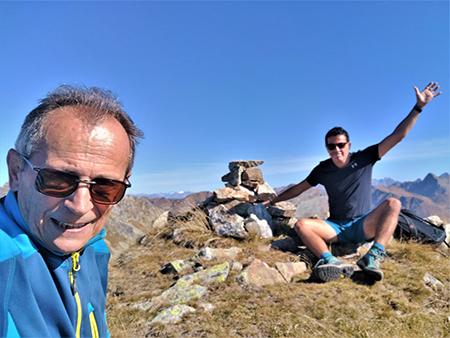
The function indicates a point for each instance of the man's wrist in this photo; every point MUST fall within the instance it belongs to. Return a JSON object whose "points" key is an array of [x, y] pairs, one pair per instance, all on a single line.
{"points": [[418, 108]]}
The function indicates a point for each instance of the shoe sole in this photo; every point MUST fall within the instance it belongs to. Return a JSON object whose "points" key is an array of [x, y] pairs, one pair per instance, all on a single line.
{"points": [[376, 275], [328, 273]]}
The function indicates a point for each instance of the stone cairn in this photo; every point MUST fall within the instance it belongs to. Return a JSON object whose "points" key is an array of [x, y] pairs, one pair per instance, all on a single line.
{"points": [[236, 210]]}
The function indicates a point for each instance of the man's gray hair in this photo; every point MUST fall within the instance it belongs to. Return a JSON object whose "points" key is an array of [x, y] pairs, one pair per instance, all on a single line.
{"points": [[103, 103]]}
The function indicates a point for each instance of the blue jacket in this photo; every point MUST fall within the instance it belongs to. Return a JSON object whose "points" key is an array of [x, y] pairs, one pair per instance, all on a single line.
{"points": [[44, 293]]}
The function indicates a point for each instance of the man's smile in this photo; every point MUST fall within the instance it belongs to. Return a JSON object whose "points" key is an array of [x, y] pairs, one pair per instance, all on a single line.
{"points": [[67, 226]]}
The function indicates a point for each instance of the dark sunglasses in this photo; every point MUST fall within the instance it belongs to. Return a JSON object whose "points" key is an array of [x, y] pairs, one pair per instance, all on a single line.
{"points": [[57, 183], [331, 146]]}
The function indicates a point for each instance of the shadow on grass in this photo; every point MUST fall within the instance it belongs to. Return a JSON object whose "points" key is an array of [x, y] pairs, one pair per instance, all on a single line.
{"points": [[358, 277]]}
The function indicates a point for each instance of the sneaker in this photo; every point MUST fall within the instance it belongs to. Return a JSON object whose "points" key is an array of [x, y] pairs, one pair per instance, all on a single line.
{"points": [[332, 270], [370, 263]]}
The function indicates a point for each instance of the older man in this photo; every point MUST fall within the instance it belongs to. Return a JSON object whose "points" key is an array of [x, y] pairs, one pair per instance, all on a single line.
{"points": [[71, 163], [347, 178]]}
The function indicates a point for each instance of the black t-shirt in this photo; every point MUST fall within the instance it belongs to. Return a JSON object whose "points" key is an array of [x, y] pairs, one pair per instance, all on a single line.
{"points": [[349, 188]]}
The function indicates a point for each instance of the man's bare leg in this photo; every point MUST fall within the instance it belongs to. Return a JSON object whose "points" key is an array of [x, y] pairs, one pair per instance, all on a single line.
{"points": [[315, 234], [379, 224]]}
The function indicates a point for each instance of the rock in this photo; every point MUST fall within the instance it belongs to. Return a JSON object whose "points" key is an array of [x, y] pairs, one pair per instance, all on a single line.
{"points": [[252, 185], [177, 266], [226, 194], [251, 194], [433, 282], [236, 267], [258, 227], [223, 195], [284, 226], [244, 164], [161, 221], [282, 209], [260, 274], [206, 307], [226, 224], [215, 274], [172, 315], [260, 212], [219, 253], [288, 244], [237, 207], [265, 192], [234, 176], [435, 220], [259, 221], [289, 270], [252, 175], [181, 294]]}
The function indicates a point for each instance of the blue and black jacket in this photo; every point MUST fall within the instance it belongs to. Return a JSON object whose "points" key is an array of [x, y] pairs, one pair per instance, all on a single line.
{"points": [[48, 294]]}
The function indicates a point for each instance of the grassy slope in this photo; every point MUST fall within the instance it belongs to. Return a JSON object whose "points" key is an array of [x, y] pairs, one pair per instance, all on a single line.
{"points": [[401, 305]]}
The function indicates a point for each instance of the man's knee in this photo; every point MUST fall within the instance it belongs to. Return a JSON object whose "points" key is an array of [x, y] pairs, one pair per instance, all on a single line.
{"points": [[393, 204], [304, 224], [300, 225]]}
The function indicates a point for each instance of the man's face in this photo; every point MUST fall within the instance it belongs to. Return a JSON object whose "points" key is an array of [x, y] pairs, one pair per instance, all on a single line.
{"points": [[66, 224], [340, 156]]}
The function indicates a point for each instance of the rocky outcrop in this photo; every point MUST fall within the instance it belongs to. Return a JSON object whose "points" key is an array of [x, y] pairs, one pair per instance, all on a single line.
{"points": [[236, 210], [194, 279]]}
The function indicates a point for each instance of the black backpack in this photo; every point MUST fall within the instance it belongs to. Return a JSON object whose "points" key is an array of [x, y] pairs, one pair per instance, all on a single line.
{"points": [[411, 226]]}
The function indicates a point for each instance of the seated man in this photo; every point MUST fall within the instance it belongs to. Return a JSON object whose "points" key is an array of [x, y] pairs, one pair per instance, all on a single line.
{"points": [[347, 178], [71, 163]]}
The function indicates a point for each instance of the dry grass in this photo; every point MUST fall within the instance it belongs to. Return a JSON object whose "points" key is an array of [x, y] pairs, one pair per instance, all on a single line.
{"points": [[401, 305]]}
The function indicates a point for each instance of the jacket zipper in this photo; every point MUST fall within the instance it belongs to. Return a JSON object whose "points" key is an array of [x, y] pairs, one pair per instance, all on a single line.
{"points": [[94, 328], [74, 286]]}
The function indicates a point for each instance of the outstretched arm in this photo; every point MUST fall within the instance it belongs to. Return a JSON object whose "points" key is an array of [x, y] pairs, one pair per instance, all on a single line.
{"points": [[292, 192], [423, 98]]}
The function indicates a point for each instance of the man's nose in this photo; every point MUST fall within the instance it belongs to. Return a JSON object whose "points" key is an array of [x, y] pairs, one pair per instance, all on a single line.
{"points": [[80, 201]]}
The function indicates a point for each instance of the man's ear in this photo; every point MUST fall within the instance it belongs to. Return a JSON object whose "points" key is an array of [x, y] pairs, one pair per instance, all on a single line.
{"points": [[14, 168]]}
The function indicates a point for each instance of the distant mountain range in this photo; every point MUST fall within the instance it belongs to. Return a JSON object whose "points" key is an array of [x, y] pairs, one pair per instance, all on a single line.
{"points": [[172, 194], [130, 218], [430, 196]]}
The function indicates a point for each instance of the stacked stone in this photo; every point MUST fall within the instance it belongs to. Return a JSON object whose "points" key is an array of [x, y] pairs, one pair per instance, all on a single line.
{"points": [[236, 210]]}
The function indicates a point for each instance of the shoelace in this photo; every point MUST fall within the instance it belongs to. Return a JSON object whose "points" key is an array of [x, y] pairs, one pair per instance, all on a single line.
{"points": [[378, 255]]}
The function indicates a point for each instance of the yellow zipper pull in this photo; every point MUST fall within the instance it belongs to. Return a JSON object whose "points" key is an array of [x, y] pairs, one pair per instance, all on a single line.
{"points": [[73, 271], [73, 283]]}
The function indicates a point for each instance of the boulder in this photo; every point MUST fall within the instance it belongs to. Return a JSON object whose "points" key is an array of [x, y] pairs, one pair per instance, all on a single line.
{"points": [[219, 253], [161, 221], [226, 224], [244, 164], [289, 270], [234, 176], [258, 227], [172, 315], [252, 174], [260, 274], [265, 192], [282, 209], [215, 274]]}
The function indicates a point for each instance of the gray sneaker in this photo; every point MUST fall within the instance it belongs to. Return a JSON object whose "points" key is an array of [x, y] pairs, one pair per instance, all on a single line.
{"points": [[332, 270], [370, 263]]}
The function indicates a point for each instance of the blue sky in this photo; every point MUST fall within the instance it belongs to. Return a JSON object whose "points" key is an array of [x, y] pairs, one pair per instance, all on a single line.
{"points": [[210, 81]]}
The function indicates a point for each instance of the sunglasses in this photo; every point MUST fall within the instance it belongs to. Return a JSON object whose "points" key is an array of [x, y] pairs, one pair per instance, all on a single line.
{"points": [[331, 146], [60, 184]]}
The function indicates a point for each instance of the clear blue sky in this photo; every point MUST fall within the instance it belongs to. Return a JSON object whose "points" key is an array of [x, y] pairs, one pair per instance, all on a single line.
{"points": [[210, 82]]}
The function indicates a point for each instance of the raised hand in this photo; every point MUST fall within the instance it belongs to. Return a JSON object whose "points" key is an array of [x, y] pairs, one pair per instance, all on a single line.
{"points": [[426, 95]]}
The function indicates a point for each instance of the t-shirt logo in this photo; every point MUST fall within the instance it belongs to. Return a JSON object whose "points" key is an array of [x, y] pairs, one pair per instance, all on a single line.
{"points": [[354, 165]]}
